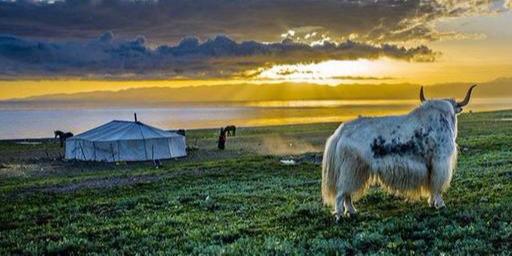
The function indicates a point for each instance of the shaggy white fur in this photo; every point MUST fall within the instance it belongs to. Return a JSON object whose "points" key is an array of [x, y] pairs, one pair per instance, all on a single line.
{"points": [[411, 155]]}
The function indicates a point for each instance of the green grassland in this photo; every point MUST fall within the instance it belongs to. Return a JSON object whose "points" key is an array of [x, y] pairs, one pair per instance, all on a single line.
{"points": [[244, 201]]}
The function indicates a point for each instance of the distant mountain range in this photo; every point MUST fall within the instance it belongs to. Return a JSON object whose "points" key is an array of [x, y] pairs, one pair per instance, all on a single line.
{"points": [[157, 96]]}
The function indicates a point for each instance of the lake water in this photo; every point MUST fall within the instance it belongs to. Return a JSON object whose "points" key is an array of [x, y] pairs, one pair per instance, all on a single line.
{"points": [[27, 121]]}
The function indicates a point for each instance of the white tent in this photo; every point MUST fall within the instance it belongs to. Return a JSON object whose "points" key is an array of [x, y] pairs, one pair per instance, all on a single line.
{"points": [[125, 141]]}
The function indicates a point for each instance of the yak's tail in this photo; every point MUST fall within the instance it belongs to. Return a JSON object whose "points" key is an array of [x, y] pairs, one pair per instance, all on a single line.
{"points": [[331, 168]]}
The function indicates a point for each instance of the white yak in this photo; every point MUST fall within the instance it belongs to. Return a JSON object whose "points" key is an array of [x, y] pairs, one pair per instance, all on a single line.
{"points": [[412, 155]]}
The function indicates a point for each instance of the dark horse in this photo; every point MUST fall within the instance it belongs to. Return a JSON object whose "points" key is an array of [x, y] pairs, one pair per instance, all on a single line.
{"points": [[62, 136], [231, 130]]}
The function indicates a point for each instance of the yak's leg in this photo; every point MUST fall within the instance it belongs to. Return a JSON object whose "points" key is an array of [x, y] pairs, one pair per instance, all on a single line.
{"points": [[349, 207], [440, 179], [339, 206], [344, 206], [353, 179]]}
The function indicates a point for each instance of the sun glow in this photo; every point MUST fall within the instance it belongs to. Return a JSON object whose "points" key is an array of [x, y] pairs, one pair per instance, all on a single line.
{"points": [[446, 69], [330, 72]]}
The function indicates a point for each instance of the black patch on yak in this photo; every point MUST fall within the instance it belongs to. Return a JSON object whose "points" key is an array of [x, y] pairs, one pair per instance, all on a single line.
{"points": [[416, 145]]}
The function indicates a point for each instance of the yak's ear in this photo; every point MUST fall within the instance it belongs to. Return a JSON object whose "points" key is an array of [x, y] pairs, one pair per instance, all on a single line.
{"points": [[422, 95]]}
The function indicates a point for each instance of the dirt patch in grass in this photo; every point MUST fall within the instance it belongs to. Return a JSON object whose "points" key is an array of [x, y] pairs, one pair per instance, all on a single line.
{"points": [[112, 182]]}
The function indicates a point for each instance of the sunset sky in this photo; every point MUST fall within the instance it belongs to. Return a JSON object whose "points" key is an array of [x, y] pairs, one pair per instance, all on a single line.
{"points": [[71, 46]]}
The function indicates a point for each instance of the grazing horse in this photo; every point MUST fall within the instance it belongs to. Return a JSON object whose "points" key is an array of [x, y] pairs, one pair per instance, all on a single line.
{"points": [[231, 130], [413, 155], [62, 136]]}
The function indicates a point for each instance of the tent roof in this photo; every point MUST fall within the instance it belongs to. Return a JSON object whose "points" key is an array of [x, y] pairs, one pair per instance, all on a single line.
{"points": [[123, 130]]}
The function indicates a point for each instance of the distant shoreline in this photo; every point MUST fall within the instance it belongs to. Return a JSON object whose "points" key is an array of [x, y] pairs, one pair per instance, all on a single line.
{"points": [[214, 129]]}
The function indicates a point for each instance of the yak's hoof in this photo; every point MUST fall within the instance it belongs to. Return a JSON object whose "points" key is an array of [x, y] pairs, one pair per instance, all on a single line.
{"points": [[436, 201], [350, 215], [439, 202], [440, 206], [337, 217], [351, 211], [346, 214]]}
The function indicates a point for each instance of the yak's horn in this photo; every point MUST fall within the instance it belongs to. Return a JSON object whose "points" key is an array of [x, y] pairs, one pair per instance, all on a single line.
{"points": [[422, 95], [468, 96]]}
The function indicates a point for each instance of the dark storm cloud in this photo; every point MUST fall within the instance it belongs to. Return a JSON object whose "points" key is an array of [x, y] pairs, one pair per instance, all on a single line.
{"points": [[53, 38], [381, 21], [216, 57]]}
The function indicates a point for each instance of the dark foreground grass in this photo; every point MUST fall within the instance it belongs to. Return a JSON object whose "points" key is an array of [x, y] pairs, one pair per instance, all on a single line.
{"points": [[255, 205]]}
